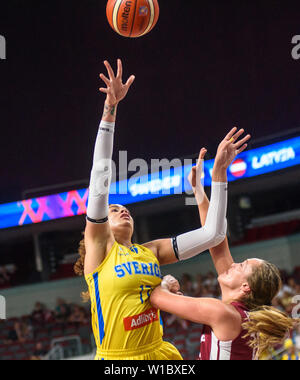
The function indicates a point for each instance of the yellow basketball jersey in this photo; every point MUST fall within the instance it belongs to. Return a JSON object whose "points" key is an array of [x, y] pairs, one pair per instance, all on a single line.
{"points": [[120, 288]]}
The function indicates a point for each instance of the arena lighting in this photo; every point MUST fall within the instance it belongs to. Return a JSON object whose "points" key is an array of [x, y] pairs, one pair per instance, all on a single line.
{"points": [[249, 164]]}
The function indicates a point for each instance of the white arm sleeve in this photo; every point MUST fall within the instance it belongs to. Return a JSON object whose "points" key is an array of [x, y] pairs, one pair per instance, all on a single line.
{"points": [[212, 233], [97, 210]]}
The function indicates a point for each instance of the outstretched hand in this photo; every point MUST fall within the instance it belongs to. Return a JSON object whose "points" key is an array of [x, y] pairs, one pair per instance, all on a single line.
{"points": [[195, 175], [115, 89], [230, 147]]}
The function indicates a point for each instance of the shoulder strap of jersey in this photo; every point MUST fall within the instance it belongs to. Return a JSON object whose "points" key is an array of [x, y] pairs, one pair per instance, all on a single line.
{"points": [[241, 308]]}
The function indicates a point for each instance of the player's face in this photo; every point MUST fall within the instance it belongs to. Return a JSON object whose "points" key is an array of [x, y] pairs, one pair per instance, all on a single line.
{"points": [[238, 273], [120, 216]]}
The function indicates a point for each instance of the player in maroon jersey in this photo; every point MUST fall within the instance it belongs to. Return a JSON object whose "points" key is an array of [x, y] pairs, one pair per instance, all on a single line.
{"points": [[242, 325]]}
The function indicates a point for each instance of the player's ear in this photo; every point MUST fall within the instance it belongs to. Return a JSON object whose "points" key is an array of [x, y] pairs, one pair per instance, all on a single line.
{"points": [[245, 288]]}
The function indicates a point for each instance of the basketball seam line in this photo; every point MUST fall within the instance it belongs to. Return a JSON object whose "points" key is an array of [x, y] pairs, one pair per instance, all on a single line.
{"points": [[117, 17], [133, 18], [149, 5], [151, 19]]}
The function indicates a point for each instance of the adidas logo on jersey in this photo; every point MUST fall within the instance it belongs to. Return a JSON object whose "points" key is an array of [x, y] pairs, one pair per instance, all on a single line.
{"points": [[140, 320]]}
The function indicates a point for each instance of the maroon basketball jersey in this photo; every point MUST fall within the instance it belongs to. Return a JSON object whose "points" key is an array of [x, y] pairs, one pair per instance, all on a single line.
{"points": [[214, 349]]}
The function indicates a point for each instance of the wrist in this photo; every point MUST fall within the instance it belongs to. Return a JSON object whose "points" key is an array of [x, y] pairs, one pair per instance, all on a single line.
{"points": [[219, 174], [110, 112], [200, 197], [197, 191], [110, 103], [219, 165]]}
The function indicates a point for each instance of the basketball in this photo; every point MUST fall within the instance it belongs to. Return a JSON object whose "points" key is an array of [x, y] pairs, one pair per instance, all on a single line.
{"points": [[132, 18]]}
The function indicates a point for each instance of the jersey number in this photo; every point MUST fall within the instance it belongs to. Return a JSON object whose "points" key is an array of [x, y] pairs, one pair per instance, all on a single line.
{"points": [[145, 288]]}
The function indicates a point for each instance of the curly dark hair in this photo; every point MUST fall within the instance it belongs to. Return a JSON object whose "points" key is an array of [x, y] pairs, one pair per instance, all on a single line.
{"points": [[79, 267]]}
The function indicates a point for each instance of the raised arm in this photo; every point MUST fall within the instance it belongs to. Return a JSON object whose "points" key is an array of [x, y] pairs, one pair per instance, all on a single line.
{"points": [[213, 232], [98, 236], [220, 254]]}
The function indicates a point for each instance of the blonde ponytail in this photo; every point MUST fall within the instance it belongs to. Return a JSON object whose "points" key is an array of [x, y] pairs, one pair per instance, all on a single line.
{"points": [[267, 327]]}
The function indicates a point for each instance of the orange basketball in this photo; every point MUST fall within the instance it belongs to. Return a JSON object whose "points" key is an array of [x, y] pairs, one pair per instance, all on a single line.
{"points": [[132, 18]]}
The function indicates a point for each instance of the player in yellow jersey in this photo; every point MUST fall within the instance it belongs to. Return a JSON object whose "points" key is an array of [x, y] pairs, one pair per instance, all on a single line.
{"points": [[121, 275]]}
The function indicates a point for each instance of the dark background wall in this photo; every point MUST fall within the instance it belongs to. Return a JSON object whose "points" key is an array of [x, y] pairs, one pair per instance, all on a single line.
{"points": [[208, 65]]}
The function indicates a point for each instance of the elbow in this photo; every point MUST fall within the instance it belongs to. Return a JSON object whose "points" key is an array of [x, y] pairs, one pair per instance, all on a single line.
{"points": [[219, 238], [217, 235], [214, 238], [195, 242]]}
